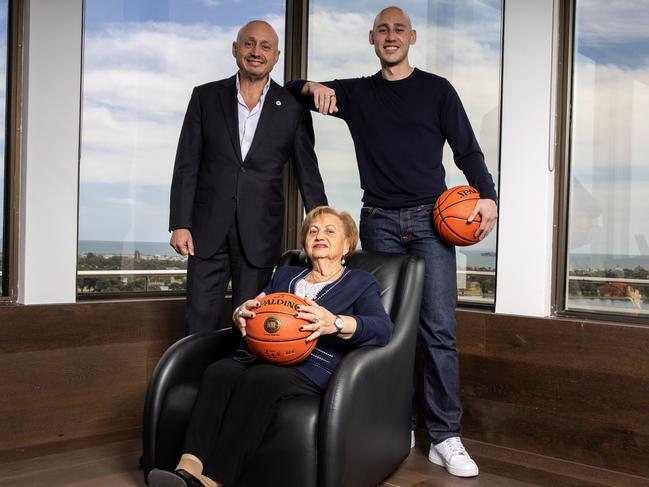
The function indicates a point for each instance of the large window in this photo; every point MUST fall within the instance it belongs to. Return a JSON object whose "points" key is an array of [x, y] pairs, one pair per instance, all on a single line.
{"points": [[460, 41], [141, 60], [608, 227], [4, 20]]}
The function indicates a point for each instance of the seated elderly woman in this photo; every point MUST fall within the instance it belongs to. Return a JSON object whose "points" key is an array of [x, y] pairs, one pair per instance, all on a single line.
{"points": [[239, 395]]}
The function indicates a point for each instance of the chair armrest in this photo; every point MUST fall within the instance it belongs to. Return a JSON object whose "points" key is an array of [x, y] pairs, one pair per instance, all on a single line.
{"points": [[183, 362], [365, 409]]}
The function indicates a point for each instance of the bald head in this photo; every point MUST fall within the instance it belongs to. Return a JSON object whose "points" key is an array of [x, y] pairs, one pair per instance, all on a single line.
{"points": [[256, 50], [255, 25], [392, 35], [391, 10]]}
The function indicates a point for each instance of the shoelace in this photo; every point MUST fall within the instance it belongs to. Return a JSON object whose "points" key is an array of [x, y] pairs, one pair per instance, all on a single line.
{"points": [[456, 447]]}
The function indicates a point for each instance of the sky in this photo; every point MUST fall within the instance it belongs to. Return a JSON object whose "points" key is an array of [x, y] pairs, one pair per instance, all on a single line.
{"points": [[143, 57], [610, 131], [185, 12], [141, 63]]}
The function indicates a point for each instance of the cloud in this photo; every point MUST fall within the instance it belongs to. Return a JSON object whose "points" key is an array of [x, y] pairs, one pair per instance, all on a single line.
{"points": [[610, 117], [123, 201], [610, 139], [610, 147], [602, 22], [138, 78], [339, 45], [466, 53], [211, 3], [616, 210], [137, 83]]}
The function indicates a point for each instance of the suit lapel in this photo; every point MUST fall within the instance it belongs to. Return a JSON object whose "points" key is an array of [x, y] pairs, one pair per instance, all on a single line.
{"points": [[231, 113], [272, 107]]}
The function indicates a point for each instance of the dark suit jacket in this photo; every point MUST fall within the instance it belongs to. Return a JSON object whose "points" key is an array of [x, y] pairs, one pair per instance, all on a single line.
{"points": [[213, 187]]}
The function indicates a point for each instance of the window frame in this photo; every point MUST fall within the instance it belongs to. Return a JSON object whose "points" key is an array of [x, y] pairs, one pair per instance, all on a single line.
{"points": [[12, 152], [295, 59], [296, 51], [564, 176]]}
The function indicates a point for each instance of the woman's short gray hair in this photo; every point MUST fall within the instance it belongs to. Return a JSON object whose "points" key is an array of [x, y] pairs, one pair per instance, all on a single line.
{"points": [[349, 226]]}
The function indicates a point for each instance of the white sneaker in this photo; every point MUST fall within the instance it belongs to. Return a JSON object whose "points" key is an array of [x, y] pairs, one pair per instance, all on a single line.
{"points": [[451, 455], [412, 439]]}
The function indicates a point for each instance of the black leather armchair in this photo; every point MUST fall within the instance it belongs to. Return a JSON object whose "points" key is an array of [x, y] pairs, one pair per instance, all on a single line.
{"points": [[354, 436]]}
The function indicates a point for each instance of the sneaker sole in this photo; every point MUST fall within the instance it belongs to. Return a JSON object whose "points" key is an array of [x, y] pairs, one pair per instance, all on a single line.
{"points": [[433, 457], [162, 478]]}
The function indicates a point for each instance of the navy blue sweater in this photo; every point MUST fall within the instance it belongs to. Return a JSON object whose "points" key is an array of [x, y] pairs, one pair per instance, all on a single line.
{"points": [[355, 293], [399, 129]]}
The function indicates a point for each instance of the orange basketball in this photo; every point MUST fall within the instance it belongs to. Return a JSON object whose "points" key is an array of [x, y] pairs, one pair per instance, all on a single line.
{"points": [[274, 335], [450, 214]]}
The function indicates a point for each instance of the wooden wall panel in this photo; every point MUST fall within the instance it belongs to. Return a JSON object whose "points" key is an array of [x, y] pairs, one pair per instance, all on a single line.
{"points": [[77, 372], [606, 347], [47, 327], [560, 390], [571, 389], [471, 332], [58, 390]]}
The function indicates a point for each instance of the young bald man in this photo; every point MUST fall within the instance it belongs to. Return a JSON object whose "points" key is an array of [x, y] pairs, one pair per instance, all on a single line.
{"points": [[399, 120], [227, 196]]}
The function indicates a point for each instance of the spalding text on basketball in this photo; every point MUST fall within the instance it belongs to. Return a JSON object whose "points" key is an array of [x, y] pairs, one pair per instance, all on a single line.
{"points": [[466, 192], [280, 302]]}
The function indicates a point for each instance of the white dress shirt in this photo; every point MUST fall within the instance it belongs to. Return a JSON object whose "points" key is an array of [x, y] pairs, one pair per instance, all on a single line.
{"points": [[248, 119]]}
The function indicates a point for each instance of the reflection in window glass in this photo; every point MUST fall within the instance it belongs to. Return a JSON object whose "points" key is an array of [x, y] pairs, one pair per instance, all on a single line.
{"points": [[4, 19], [141, 60], [608, 228], [460, 41]]}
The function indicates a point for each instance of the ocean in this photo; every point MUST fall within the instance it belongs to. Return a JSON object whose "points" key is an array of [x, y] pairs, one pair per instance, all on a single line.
{"points": [[607, 261], [474, 258], [108, 247]]}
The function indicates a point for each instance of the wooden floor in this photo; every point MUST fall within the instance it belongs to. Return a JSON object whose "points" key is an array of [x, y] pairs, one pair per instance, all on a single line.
{"points": [[116, 465]]}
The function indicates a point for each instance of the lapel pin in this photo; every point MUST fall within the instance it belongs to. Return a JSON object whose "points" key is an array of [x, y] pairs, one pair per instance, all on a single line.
{"points": [[278, 103]]}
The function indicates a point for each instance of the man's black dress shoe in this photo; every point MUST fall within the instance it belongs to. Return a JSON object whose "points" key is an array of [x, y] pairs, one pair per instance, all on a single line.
{"points": [[179, 478]]}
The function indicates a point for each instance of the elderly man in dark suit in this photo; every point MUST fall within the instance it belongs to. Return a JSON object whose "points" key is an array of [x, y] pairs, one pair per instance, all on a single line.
{"points": [[227, 198]]}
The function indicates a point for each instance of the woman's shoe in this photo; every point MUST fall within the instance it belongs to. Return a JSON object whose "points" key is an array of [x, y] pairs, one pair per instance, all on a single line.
{"points": [[179, 478]]}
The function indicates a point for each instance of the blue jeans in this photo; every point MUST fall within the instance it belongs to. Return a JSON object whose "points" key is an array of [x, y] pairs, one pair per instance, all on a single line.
{"points": [[410, 231]]}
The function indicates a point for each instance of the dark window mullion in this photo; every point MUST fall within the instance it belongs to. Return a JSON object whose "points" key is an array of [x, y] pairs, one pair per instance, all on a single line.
{"points": [[295, 67]]}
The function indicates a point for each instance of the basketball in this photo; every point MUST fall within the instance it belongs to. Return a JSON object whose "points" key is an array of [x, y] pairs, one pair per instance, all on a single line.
{"points": [[450, 214], [274, 335]]}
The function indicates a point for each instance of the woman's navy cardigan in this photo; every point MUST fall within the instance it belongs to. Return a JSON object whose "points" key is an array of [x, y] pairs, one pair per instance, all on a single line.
{"points": [[355, 293]]}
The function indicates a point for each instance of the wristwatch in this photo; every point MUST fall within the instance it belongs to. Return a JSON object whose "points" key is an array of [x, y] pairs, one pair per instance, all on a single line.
{"points": [[339, 324]]}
